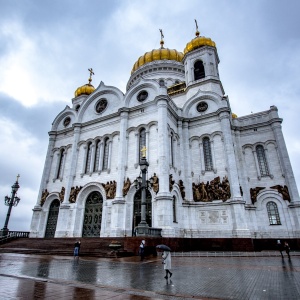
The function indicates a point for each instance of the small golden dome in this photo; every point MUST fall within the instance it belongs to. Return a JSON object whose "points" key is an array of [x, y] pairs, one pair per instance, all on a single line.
{"points": [[198, 41], [86, 89], [158, 54], [234, 116]]}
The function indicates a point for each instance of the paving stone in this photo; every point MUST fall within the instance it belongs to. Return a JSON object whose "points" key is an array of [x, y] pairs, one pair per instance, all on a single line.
{"points": [[54, 277]]}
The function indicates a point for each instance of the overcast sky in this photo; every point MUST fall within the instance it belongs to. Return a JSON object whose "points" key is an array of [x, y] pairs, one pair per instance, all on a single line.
{"points": [[47, 46]]}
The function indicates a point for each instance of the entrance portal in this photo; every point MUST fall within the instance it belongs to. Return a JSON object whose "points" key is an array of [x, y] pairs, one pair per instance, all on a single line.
{"points": [[52, 219], [92, 215], [137, 209]]}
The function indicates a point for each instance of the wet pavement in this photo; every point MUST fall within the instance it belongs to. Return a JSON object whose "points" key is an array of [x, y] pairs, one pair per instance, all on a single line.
{"points": [[59, 277]]}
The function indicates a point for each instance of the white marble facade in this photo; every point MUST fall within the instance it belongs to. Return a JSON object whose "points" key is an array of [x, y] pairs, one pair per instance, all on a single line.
{"points": [[97, 140]]}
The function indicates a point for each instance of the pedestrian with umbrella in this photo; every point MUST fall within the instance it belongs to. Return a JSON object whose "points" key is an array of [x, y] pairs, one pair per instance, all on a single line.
{"points": [[166, 259]]}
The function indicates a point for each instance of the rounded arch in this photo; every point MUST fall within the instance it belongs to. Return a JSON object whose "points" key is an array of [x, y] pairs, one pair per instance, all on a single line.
{"points": [[199, 69], [198, 97], [62, 115], [100, 92], [267, 195], [217, 133], [143, 84], [52, 196], [87, 189], [244, 147]]}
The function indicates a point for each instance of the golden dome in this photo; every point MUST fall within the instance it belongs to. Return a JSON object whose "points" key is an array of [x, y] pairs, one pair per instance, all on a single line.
{"points": [[234, 116], [86, 89], [158, 54], [197, 42]]}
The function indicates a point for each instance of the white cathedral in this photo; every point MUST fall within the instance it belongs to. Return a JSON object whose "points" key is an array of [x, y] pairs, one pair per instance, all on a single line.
{"points": [[211, 174]]}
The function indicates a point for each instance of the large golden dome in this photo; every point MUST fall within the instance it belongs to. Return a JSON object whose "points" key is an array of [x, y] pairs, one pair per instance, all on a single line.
{"points": [[86, 89], [197, 42], [158, 54]]}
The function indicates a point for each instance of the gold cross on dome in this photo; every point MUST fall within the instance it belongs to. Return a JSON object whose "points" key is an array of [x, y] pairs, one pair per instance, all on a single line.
{"points": [[161, 34], [91, 73], [196, 25], [143, 150]]}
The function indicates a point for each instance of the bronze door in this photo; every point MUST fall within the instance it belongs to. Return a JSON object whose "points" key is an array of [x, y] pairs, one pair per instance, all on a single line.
{"points": [[52, 219], [137, 209], [92, 215]]}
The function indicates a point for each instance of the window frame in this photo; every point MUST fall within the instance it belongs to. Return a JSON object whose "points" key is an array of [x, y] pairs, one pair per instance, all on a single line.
{"points": [[273, 213]]}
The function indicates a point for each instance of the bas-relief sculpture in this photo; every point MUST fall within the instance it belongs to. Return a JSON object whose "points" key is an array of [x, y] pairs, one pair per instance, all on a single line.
{"points": [[213, 190]]}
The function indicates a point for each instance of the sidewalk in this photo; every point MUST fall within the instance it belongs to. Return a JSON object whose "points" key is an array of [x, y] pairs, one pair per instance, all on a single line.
{"points": [[198, 277]]}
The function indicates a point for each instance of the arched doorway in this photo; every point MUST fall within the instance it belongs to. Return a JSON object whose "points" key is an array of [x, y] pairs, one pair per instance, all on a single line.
{"points": [[52, 219], [137, 208], [92, 215]]}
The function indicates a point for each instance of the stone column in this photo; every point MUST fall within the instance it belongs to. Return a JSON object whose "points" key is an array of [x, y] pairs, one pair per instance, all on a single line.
{"points": [[163, 207], [187, 161], [285, 162], [73, 164], [122, 154], [63, 228], [242, 167], [181, 164], [118, 204], [163, 149], [230, 156], [47, 166]]}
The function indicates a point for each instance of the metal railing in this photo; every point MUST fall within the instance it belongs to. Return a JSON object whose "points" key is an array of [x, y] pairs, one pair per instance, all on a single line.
{"points": [[13, 235]]}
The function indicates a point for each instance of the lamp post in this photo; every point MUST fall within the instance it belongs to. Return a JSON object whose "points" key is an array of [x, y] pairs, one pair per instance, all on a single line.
{"points": [[143, 184], [10, 202]]}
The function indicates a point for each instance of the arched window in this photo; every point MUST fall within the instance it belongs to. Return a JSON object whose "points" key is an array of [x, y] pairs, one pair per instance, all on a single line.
{"points": [[60, 164], [88, 158], [207, 154], [174, 210], [97, 155], [273, 213], [199, 71], [105, 154], [142, 141], [262, 161], [172, 150]]}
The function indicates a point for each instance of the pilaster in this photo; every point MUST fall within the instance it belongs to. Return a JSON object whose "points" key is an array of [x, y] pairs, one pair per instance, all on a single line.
{"points": [[230, 157], [285, 162]]}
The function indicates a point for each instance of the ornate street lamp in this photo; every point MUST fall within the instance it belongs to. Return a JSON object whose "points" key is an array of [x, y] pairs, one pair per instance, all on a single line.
{"points": [[10, 202], [143, 184]]}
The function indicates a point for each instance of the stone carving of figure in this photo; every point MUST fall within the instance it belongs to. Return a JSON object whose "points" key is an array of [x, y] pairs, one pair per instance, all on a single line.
{"points": [[126, 187], [171, 182], [62, 194], [283, 191], [72, 198], [196, 193], [106, 187], [203, 193], [226, 189], [155, 184], [254, 192], [45, 194], [110, 189], [182, 188]]}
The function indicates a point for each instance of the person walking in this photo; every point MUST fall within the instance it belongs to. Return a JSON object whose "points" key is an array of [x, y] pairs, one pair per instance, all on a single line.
{"points": [[76, 249], [280, 247], [142, 250], [166, 257], [287, 249]]}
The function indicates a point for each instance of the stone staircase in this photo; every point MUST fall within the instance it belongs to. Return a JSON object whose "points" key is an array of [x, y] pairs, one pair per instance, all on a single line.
{"points": [[96, 247]]}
